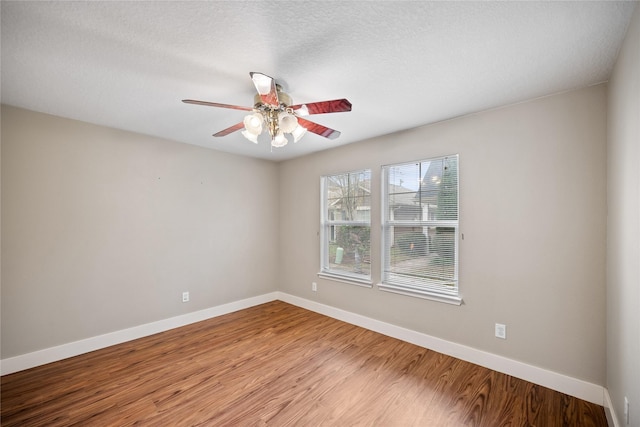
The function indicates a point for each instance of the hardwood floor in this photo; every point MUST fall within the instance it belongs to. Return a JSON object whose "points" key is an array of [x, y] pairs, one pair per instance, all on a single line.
{"points": [[277, 364]]}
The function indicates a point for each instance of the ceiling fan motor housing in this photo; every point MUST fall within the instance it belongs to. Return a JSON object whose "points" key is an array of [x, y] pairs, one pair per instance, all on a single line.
{"points": [[280, 118], [284, 99]]}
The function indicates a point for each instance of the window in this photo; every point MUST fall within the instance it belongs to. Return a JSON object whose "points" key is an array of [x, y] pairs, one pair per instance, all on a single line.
{"points": [[420, 229], [346, 227]]}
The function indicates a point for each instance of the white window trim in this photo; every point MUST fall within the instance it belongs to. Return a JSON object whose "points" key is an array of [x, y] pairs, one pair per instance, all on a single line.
{"points": [[416, 291], [344, 278], [420, 293]]}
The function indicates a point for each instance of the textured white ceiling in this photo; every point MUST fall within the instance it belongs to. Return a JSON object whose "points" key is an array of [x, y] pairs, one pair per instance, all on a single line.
{"points": [[402, 64]]}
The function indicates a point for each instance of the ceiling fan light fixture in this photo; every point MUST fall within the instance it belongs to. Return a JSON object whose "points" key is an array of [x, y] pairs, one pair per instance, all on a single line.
{"points": [[298, 133], [279, 140], [262, 83], [288, 122], [253, 124], [303, 110], [250, 136]]}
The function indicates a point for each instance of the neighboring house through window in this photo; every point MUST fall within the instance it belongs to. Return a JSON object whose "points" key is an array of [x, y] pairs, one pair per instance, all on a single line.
{"points": [[346, 226], [420, 229]]}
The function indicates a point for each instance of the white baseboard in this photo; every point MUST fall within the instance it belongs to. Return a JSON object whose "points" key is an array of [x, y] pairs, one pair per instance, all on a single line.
{"points": [[574, 387], [559, 382], [53, 354], [612, 419]]}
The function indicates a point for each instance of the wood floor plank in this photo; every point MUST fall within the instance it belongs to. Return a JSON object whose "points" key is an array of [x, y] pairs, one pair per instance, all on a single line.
{"points": [[278, 365]]}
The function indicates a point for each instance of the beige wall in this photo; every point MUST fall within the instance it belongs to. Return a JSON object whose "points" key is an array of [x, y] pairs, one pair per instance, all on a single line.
{"points": [[103, 229], [533, 213], [623, 228]]}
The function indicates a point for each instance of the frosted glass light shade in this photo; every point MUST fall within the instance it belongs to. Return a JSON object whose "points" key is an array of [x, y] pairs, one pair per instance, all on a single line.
{"points": [[262, 83], [253, 123], [279, 140], [288, 122], [250, 136], [298, 133]]}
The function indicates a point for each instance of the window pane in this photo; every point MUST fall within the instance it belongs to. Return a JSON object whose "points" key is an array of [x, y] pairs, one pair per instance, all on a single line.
{"points": [[404, 178], [348, 195], [423, 191], [350, 252], [346, 225], [419, 256], [423, 252], [439, 190]]}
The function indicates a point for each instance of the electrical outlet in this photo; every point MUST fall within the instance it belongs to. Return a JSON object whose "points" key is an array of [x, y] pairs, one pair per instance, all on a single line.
{"points": [[185, 297], [626, 410], [314, 286], [501, 331]]}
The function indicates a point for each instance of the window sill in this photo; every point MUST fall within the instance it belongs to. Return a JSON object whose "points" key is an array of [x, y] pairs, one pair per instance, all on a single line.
{"points": [[346, 279], [420, 293]]}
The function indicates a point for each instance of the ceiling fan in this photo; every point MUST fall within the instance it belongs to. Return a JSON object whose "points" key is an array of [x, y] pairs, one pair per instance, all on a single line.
{"points": [[272, 109]]}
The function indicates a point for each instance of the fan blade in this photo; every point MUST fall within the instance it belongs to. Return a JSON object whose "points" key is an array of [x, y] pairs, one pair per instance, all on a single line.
{"points": [[266, 88], [215, 104], [318, 129], [322, 107], [230, 129]]}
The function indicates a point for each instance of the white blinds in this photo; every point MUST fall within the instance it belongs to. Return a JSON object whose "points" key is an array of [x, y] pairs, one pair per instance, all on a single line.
{"points": [[420, 227]]}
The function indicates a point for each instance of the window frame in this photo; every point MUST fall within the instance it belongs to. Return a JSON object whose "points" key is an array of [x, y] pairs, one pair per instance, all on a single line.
{"points": [[432, 291], [326, 232]]}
